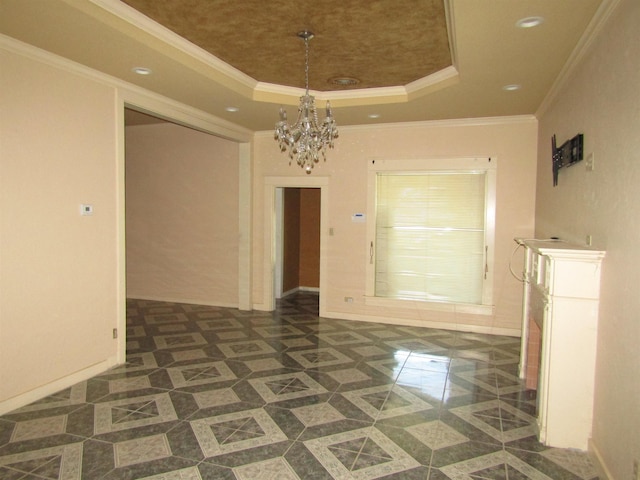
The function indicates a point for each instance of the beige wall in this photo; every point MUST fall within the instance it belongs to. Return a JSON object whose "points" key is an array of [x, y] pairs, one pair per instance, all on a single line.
{"points": [[59, 277], [310, 237], [181, 215], [601, 100], [291, 240], [511, 141]]}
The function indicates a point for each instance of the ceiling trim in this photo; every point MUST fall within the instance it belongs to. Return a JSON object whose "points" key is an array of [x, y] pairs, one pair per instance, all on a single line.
{"points": [[605, 10], [451, 31], [141, 22], [245, 85], [133, 96], [436, 81], [269, 92], [454, 122]]}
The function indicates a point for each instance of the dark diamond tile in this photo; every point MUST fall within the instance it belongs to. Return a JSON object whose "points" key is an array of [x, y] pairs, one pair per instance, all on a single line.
{"points": [[479, 431], [305, 464], [409, 443], [462, 452], [250, 455], [558, 464], [47, 467]]}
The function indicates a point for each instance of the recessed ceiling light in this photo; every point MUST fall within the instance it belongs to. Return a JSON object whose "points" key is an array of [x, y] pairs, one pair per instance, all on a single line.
{"points": [[232, 109], [374, 115], [512, 87], [142, 70], [529, 22]]}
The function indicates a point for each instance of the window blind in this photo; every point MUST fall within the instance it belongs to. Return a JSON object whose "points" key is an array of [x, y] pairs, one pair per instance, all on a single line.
{"points": [[430, 236]]}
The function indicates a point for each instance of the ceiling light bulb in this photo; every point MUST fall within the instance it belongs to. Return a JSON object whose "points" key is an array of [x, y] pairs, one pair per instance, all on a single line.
{"points": [[529, 22], [232, 109], [374, 115], [512, 88]]}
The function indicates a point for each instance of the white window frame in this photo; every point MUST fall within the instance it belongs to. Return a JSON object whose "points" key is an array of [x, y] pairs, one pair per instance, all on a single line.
{"points": [[423, 166]]}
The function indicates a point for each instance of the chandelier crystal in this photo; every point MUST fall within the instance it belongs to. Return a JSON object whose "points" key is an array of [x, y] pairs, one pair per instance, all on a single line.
{"points": [[306, 139]]}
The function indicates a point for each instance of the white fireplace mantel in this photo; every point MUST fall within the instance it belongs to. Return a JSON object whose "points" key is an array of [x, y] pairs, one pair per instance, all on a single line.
{"points": [[561, 297]]}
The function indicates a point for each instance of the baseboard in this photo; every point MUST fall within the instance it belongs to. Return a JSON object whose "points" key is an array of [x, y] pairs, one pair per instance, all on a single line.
{"points": [[405, 322], [188, 301], [598, 462], [260, 307], [508, 332], [38, 393], [310, 289], [300, 289]]}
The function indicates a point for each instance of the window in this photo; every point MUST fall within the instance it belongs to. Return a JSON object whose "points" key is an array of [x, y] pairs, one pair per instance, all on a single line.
{"points": [[432, 235]]}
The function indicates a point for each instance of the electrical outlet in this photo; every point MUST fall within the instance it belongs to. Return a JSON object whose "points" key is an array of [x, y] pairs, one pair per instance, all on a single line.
{"points": [[589, 240]]}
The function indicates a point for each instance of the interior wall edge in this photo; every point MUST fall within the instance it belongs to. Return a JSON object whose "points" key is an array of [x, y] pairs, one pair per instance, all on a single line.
{"points": [[598, 462], [67, 381]]}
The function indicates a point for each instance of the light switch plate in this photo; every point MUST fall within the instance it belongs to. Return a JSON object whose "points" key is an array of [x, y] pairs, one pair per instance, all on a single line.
{"points": [[589, 162]]}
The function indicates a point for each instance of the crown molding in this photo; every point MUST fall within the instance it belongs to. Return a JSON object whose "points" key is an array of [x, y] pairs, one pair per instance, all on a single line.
{"points": [[604, 12], [272, 93], [454, 122], [436, 81], [133, 95], [225, 73]]}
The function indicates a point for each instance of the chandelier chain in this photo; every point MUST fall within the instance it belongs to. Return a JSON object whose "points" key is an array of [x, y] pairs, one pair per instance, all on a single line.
{"points": [[306, 64]]}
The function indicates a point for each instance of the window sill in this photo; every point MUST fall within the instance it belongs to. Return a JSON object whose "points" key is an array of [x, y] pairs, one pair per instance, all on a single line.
{"points": [[432, 306]]}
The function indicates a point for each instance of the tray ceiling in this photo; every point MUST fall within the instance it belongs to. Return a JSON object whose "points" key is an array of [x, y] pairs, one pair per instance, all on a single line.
{"points": [[416, 60]]}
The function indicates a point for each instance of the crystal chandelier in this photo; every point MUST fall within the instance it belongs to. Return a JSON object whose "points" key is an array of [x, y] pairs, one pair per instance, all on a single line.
{"points": [[306, 139]]}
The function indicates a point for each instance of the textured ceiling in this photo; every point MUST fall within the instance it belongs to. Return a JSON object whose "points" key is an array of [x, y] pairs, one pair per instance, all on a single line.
{"points": [[379, 43], [257, 64]]}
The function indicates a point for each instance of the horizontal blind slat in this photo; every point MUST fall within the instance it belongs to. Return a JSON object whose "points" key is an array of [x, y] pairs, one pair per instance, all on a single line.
{"points": [[430, 236]]}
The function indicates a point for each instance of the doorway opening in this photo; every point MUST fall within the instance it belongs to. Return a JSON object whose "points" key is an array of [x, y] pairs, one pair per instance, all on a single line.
{"points": [[137, 110], [311, 190], [181, 214], [297, 267]]}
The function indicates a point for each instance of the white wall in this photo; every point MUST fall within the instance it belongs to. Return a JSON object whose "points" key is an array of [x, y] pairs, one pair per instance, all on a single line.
{"points": [[511, 141], [58, 270], [182, 215], [601, 99]]}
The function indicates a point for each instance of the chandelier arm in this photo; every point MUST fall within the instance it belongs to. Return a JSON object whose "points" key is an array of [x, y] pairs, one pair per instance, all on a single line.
{"points": [[306, 139]]}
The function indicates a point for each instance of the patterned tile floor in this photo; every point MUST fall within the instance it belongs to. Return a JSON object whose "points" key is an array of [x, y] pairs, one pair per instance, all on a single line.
{"points": [[216, 393]]}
